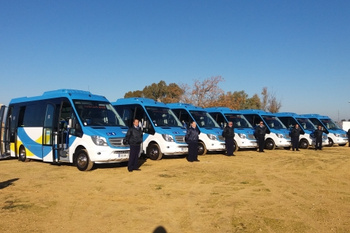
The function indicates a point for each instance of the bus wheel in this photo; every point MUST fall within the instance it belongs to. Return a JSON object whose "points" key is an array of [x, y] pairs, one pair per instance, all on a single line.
{"points": [[330, 142], [269, 144], [235, 147], [83, 161], [22, 155], [303, 144], [202, 150], [153, 151]]}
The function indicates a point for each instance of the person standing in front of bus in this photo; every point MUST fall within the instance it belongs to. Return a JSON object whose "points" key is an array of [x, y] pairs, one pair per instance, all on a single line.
{"points": [[318, 135], [260, 132], [229, 133], [191, 138], [294, 135], [134, 138], [348, 133]]}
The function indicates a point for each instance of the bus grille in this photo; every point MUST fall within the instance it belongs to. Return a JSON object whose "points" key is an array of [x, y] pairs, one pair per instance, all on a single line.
{"points": [[251, 137], [180, 139], [117, 142], [221, 138]]}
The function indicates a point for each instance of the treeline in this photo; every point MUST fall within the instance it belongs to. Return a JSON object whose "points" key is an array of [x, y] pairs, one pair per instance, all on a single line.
{"points": [[207, 93]]}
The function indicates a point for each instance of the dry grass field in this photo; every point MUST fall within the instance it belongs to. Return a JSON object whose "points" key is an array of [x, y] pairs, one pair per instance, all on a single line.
{"points": [[275, 191]]}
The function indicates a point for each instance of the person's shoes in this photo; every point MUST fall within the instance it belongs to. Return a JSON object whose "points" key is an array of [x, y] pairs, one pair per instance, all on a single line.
{"points": [[298, 150], [130, 170]]}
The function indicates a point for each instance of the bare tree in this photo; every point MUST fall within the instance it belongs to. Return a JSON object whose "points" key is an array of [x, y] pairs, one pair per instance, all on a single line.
{"points": [[269, 101], [203, 93]]}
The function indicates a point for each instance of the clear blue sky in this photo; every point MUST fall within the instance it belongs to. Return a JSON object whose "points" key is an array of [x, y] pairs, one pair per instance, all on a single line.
{"points": [[299, 49]]}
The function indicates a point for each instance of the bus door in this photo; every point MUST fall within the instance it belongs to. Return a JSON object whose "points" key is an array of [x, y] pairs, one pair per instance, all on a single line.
{"points": [[4, 142], [48, 134], [61, 132]]}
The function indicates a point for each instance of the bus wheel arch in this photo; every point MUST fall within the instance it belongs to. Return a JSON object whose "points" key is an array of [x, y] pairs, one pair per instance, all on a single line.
{"points": [[270, 144], [330, 142], [154, 152], [304, 144], [202, 149], [82, 160], [22, 155]]}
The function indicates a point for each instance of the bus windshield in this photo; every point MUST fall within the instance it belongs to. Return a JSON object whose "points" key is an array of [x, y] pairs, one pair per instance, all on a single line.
{"points": [[329, 124], [273, 122], [163, 117], [203, 119], [238, 121], [306, 124], [95, 113]]}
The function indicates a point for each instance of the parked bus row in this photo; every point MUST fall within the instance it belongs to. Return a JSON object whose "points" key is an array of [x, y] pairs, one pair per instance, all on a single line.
{"points": [[73, 126]]}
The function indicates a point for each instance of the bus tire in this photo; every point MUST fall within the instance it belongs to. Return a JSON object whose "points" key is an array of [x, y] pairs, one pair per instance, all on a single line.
{"points": [[304, 144], [270, 144], [154, 152], [330, 142], [22, 155], [83, 161], [202, 149]]}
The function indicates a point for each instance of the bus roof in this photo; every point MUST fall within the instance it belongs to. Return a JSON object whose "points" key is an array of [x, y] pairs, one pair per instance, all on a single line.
{"points": [[139, 100], [223, 110], [291, 114], [69, 93], [186, 106], [256, 111], [313, 115]]}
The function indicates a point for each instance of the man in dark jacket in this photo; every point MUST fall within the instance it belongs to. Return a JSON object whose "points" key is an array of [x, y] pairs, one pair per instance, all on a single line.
{"points": [[134, 139], [294, 135], [348, 133], [192, 136], [318, 135], [229, 133], [259, 133]]}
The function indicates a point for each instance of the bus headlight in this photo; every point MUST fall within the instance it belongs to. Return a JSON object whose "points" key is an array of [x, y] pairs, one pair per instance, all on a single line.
{"points": [[211, 136], [99, 141], [337, 135], [279, 135], [242, 135], [168, 137]]}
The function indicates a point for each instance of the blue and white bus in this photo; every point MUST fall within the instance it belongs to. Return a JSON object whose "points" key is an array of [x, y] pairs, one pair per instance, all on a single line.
{"points": [[277, 134], [244, 131], [210, 138], [335, 134], [65, 126], [163, 132], [307, 138]]}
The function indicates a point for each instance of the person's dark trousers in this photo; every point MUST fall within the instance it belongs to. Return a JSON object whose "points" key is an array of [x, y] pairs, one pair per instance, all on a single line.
{"points": [[295, 143], [192, 151], [229, 145], [318, 144], [261, 142], [133, 157]]}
